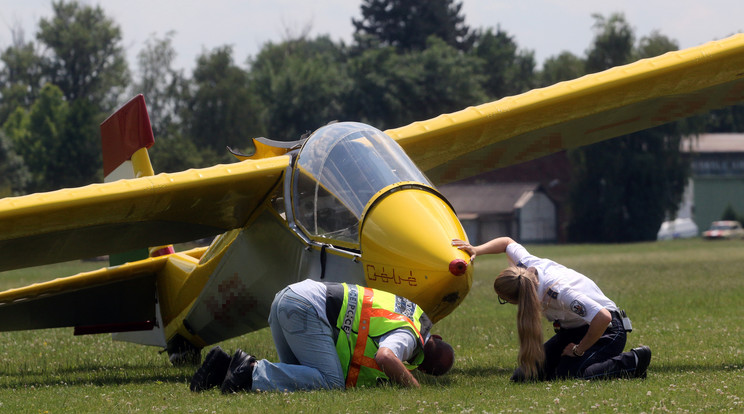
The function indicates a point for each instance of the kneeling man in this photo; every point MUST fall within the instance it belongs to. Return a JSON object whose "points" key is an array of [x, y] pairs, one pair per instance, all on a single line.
{"points": [[333, 335]]}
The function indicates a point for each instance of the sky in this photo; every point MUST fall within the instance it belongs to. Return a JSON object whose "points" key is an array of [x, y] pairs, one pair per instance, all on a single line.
{"points": [[545, 27]]}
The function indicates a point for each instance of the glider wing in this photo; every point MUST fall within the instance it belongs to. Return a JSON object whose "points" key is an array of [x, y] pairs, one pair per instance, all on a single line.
{"points": [[123, 215], [574, 113], [118, 298]]}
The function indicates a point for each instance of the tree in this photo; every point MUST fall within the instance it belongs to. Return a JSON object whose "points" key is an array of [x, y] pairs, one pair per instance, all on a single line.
{"points": [[160, 83], [85, 58], [729, 119], [220, 110], [392, 89], [623, 188], [80, 161], [445, 81], [13, 172], [407, 24], [381, 80], [565, 66], [612, 45], [37, 136], [300, 84], [166, 92], [505, 70], [729, 213], [20, 75], [84, 70], [653, 45]]}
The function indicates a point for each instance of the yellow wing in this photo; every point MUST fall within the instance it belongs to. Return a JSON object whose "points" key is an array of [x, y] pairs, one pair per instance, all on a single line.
{"points": [[120, 295], [123, 215], [583, 111]]}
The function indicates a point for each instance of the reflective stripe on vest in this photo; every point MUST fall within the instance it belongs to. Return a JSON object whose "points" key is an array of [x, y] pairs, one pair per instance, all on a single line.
{"points": [[358, 358]]}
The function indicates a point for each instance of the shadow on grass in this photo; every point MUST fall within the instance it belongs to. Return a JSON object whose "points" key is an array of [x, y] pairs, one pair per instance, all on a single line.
{"points": [[685, 368], [485, 371], [144, 374], [97, 375]]}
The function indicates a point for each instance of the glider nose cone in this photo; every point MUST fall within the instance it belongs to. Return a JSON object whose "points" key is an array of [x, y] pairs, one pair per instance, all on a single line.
{"points": [[406, 250]]}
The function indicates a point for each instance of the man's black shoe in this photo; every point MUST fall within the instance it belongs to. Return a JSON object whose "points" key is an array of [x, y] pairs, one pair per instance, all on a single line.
{"points": [[239, 375], [212, 372], [644, 358]]}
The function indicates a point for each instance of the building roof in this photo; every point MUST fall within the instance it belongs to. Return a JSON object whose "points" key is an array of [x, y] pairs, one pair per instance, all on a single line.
{"points": [[707, 143], [494, 198]]}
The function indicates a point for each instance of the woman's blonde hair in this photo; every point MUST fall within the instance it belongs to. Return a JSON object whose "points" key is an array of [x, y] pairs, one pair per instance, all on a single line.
{"points": [[518, 285]]}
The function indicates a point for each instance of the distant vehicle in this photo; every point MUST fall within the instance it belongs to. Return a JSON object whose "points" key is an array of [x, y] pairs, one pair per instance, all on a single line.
{"points": [[724, 229], [681, 228]]}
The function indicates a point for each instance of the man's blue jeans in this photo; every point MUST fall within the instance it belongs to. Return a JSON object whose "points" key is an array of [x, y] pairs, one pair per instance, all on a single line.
{"points": [[306, 349]]}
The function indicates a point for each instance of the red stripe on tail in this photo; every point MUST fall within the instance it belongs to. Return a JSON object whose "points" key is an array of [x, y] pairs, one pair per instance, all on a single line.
{"points": [[124, 132]]}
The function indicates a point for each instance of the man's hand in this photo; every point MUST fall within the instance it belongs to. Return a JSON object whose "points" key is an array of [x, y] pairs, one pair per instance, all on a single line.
{"points": [[394, 368]]}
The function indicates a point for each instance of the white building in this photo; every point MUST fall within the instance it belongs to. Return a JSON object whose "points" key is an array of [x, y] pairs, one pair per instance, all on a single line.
{"points": [[519, 210]]}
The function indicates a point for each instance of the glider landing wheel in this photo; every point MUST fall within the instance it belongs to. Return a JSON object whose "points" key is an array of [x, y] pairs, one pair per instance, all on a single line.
{"points": [[182, 352]]}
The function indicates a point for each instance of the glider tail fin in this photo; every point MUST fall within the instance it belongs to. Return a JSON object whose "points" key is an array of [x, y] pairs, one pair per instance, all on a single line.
{"points": [[125, 137]]}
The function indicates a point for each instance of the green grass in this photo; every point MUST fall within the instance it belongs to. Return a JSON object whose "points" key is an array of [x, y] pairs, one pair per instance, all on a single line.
{"points": [[686, 299]]}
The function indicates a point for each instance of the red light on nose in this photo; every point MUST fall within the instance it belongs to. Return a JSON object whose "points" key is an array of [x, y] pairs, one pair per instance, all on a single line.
{"points": [[457, 267]]}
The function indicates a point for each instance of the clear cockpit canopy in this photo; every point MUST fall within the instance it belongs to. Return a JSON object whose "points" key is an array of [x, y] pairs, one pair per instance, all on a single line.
{"points": [[339, 169]]}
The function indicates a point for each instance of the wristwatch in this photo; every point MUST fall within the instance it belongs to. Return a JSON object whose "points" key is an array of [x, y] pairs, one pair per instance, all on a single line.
{"points": [[576, 352]]}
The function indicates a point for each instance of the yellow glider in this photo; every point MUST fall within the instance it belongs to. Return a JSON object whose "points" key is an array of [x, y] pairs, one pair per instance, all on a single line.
{"points": [[347, 204]]}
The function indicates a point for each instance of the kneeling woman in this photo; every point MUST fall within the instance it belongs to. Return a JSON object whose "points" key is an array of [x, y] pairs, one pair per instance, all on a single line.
{"points": [[590, 336]]}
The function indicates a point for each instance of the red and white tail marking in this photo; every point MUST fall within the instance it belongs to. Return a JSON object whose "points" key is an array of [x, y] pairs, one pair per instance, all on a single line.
{"points": [[125, 137]]}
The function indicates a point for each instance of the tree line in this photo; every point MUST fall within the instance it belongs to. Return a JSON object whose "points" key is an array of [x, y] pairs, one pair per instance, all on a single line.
{"points": [[408, 60]]}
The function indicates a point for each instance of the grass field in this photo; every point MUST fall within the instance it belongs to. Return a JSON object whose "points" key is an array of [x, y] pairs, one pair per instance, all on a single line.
{"points": [[686, 300]]}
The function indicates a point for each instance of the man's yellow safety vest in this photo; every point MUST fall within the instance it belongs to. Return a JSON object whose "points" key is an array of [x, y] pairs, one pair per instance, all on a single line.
{"points": [[370, 313]]}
